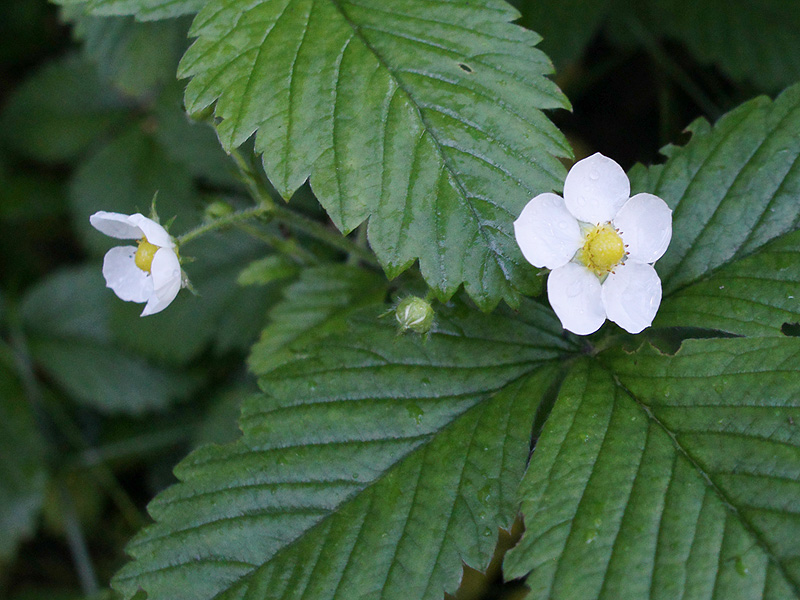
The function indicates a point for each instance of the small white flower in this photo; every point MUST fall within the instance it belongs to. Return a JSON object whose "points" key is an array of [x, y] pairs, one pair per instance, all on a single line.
{"points": [[149, 272], [600, 244]]}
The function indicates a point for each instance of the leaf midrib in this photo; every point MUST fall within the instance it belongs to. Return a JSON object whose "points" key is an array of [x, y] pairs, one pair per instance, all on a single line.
{"points": [[727, 502], [452, 172], [243, 579]]}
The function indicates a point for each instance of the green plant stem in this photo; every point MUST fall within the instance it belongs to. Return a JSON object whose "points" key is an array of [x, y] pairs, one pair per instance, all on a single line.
{"points": [[315, 229], [267, 208], [236, 218], [318, 231], [288, 247], [77, 544]]}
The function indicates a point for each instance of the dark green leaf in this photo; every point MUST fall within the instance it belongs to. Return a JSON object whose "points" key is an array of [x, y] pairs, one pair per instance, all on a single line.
{"points": [[123, 176], [733, 189], [676, 478], [424, 117], [316, 305], [269, 269], [566, 26], [754, 296], [109, 379], [22, 468], [144, 10], [59, 112], [346, 468], [136, 58], [752, 41]]}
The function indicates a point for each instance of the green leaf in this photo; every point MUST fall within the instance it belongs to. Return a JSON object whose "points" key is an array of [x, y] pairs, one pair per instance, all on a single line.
{"points": [[345, 469], [423, 117], [59, 112], [733, 189], [136, 58], [677, 476], [66, 317], [754, 296], [566, 26], [109, 379], [22, 470], [751, 41], [71, 303], [143, 10], [319, 303], [268, 269]]}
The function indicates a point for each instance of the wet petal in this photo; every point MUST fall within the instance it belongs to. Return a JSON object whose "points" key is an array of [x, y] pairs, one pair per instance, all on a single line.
{"points": [[546, 233], [115, 225], [154, 232], [632, 295], [645, 224], [122, 275], [574, 293], [166, 271], [595, 189]]}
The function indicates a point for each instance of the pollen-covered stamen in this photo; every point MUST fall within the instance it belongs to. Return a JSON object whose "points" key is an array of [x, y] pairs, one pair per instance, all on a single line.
{"points": [[602, 249], [144, 254]]}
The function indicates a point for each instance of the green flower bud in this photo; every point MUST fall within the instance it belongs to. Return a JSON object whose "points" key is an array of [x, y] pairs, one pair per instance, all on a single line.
{"points": [[415, 314], [217, 210]]}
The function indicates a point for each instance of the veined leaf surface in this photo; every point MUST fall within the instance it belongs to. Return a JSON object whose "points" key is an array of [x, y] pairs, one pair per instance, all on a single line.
{"points": [[734, 190], [423, 117], [669, 477], [346, 468]]}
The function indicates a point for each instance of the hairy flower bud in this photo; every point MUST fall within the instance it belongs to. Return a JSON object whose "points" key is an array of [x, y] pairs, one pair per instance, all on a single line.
{"points": [[414, 313]]}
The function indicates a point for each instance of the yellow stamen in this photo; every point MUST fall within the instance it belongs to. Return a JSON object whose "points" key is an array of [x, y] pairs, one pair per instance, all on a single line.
{"points": [[144, 255], [602, 250]]}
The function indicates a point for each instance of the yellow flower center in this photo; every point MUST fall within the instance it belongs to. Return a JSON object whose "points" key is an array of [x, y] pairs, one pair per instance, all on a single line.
{"points": [[602, 249], [144, 254]]}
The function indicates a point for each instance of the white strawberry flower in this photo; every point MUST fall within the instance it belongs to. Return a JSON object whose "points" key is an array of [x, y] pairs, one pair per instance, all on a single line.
{"points": [[600, 244], [149, 272]]}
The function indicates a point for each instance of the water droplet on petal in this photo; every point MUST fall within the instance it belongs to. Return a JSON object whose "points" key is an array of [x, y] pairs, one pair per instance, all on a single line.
{"points": [[594, 174], [581, 200]]}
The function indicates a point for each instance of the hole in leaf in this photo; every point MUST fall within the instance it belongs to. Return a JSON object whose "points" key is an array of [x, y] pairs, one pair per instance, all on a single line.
{"points": [[791, 329], [465, 68]]}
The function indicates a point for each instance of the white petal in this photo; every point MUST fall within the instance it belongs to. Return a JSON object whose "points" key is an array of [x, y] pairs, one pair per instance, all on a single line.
{"points": [[546, 233], [115, 225], [122, 275], [645, 224], [154, 232], [166, 271], [631, 295], [574, 293], [595, 189]]}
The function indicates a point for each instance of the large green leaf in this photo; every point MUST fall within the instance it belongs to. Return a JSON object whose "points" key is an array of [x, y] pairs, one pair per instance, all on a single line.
{"points": [[669, 477], [752, 41], [136, 58], [22, 469], [66, 317], [144, 10], [734, 190], [60, 111], [424, 117], [372, 462], [317, 304]]}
